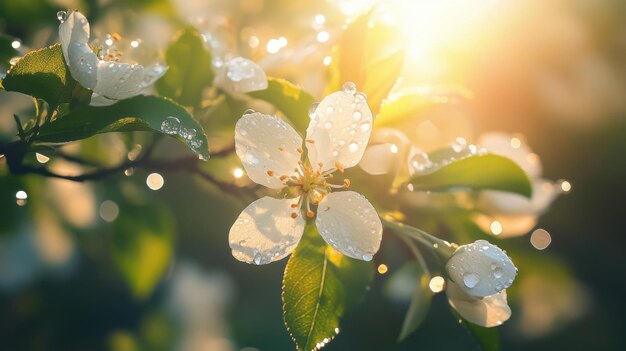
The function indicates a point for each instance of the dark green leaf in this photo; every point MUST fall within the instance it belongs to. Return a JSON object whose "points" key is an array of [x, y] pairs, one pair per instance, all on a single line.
{"points": [[487, 338], [42, 74], [477, 173], [318, 286], [289, 99], [7, 52], [190, 69], [140, 113], [420, 300], [142, 246]]}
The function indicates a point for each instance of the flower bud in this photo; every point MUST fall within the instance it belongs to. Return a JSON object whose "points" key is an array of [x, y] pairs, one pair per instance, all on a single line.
{"points": [[481, 269]]}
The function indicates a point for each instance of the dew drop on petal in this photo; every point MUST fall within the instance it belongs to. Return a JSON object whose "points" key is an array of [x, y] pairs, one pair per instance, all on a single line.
{"points": [[62, 16], [312, 109], [248, 112], [349, 88], [353, 147], [367, 257], [470, 280]]}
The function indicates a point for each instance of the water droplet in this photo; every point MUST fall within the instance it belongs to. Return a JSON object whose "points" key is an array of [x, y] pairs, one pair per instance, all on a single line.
{"points": [[62, 16], [196, 143], [497, 273], [356, 115], [471, 280], [459, 144], [360, 97], [171, 125], [248, 112], [349, 87], [365, 126], [187, 133], [367, 257], [328, 125], [420, 162], [353, 147]]}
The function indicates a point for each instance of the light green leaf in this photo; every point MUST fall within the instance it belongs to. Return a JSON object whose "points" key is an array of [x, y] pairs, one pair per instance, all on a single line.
{"points": [[289, 98], [42, 74], [142, 246], [381, 77], [478, 172], [420, 300], [488, 339], [140, 113], [190, 69], [319, 284]]}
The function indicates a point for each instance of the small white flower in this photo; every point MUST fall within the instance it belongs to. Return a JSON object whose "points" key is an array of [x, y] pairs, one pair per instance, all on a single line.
{"points": [[481, 269], [489, 311], [516, 214], [239, 75], [105, 76], [271, 151]]}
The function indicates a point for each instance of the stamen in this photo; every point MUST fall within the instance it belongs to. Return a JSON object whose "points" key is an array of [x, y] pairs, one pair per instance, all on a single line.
{"points": [[283, 177], [116, 37], [346, 183], [310, 214], [310, 141], [281, 149], [294, 205], [339, 167], [294, 215], [270, 173], [299, 149]]}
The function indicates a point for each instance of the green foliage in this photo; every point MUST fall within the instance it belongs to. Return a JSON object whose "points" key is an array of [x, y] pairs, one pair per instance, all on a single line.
{"points": [[420, 300], [42, 74], [190, 69], [290, 99], [142, 246], [140, 113], [478, 172], [488, 339], [7, 52], [319, 285]]}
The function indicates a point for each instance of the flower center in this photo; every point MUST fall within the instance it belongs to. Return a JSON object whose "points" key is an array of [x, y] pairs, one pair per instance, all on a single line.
{"points": [[310, 183]]}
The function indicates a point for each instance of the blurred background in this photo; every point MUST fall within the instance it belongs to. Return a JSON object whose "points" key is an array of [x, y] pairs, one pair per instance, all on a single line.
{"points": [[551, 72]]}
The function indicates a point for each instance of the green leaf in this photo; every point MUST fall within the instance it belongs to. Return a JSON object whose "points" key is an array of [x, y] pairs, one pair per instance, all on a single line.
{"points": [[487, 338], [7, 52], [142, 246], [478, 172], [319, 285], [139, 113], [42, 74], [381, 77], [289, 98], [420, 300], [190, 69]]}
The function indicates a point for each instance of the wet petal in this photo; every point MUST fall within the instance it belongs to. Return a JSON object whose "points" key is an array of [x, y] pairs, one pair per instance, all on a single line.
{"points": [[387, 147], [512, 226], [339, 130], [267, 147], [350, 224], [481, 269], [152, 74], [265, 231], [79, 57], [117, 80], [507, 204], [241, 75], [490, 311]]}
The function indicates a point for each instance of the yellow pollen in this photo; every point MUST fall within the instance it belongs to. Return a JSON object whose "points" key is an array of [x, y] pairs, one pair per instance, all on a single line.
{"points": [[294, 215], [116, 37], [346, 183], [331, 176], [310, 141], [283, 177], [339, 167], [270, 173], [299, 149], [310, 214], [281, 149], [294, 205]]}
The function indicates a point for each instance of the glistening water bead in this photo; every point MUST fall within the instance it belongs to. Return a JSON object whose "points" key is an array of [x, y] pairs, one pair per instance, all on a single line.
{"points": [[62, 16], [171, 125]]}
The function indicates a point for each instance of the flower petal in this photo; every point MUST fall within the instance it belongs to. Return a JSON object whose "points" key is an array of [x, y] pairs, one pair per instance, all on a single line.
{"points": [[481, 269], [267, 147], [503, 203], [79, 57], [265, 232], [241, 75], [339, 130], [117, 80], [152, 74], [350, 224], [512, 226], [387, 147], [490, 311]]}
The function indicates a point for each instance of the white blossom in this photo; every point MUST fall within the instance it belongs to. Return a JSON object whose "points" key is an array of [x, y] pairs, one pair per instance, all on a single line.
{"points": [[481, 269], [271, 152], [108, 78], [489, 311]]}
